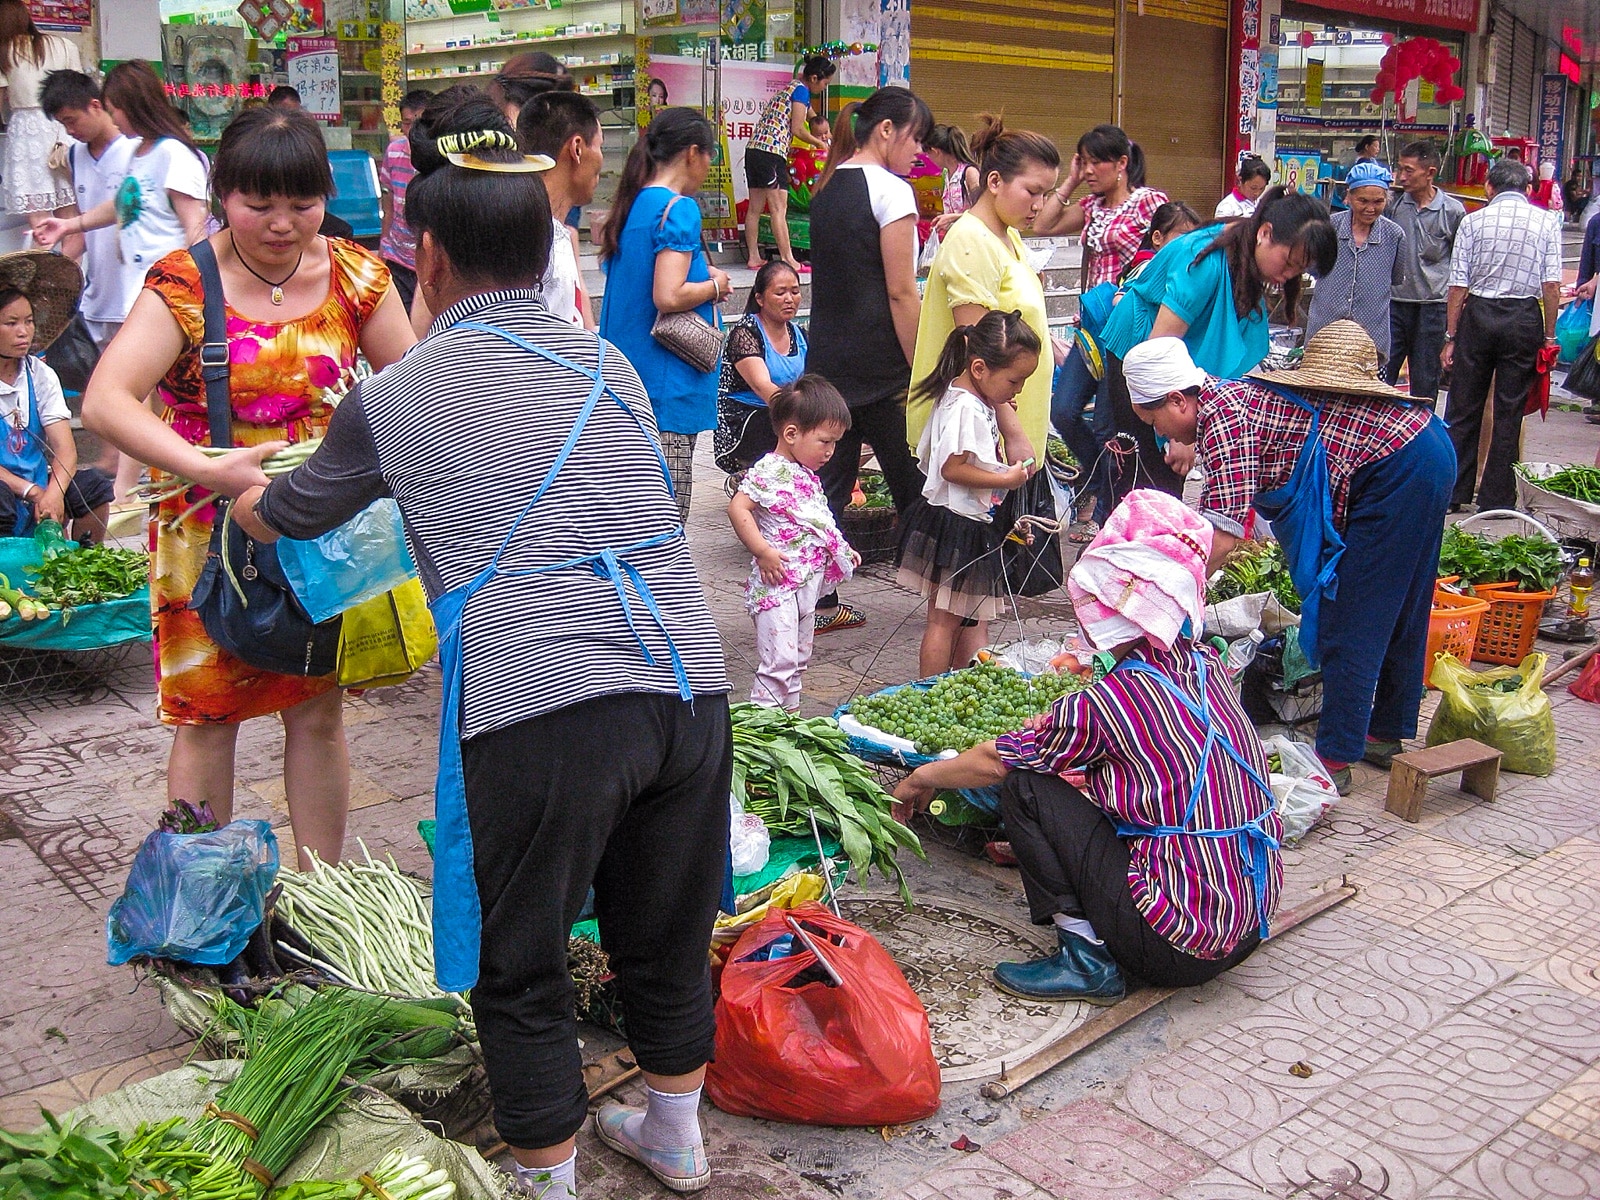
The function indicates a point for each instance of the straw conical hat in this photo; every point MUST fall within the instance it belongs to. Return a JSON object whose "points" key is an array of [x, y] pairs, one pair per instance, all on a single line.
{"points": [[1340, 357], [51, 282]]}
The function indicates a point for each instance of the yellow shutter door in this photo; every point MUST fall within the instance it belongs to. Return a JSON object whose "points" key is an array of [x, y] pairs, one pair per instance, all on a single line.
{"points": [[1174, 93], [1046, 67]]}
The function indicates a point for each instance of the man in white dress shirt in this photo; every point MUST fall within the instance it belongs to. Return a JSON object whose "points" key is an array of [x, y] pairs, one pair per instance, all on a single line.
{"points": [[1505, 291]]}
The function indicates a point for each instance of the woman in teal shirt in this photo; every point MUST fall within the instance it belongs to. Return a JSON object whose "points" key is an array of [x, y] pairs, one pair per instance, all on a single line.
{"points": [[1209, 288]]}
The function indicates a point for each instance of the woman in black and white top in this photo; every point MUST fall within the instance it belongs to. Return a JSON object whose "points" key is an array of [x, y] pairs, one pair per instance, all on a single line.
{"points": [[585, 736], [864, 302]]}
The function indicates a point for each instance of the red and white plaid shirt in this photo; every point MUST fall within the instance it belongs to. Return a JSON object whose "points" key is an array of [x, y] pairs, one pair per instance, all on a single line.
{"points": [[1111, 237], [1249, 439]]}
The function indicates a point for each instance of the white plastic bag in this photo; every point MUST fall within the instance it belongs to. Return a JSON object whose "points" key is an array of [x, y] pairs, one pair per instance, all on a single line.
{"points": [[1230, 619], [748, 839], [1302, 786]]}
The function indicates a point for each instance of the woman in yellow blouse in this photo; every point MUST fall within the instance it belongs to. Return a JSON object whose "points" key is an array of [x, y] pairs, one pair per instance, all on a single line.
{"points": [[982, 265]]}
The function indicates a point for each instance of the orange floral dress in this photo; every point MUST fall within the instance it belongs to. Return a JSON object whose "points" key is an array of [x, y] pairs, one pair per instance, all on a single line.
{"points": [[277, 375]]}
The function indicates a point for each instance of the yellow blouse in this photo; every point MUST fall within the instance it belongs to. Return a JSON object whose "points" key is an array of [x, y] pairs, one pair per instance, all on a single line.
{"points": [[973, 266]]}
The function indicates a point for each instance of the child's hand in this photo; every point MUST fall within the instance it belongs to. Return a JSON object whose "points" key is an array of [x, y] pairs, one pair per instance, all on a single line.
{"points": [[855, 558], [770, 562], [1014, 477]]}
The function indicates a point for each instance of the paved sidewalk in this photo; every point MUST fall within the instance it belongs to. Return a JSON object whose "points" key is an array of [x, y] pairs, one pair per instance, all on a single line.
{"points": [[1450, 1013]]}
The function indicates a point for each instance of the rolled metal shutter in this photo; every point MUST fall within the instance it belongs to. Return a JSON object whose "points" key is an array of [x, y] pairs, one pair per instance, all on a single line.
{"points": [[1505, 26], [1174, 95], [1047, 67]]}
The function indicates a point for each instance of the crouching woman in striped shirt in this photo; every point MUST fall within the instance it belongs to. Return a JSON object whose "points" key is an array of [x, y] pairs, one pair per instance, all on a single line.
{"points": [[584, 734], [1165, 866]]}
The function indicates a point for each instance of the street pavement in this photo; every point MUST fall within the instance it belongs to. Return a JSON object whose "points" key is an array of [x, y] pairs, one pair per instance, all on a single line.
{"points": [[1450, 1012]]}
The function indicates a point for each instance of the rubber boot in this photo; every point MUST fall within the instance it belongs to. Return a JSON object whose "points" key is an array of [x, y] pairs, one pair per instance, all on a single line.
{"points": [[1080, 970]]}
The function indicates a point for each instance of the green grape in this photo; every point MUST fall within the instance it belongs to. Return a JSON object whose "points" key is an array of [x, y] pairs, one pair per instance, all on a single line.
{"points": [[963, 708]]}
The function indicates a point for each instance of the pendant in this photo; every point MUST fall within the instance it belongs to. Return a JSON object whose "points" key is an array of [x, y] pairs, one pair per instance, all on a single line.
{"points": [[277, 295]]}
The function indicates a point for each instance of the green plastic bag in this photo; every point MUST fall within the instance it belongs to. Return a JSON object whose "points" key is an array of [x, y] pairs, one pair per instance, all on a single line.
{"points": [[1503, 707]]}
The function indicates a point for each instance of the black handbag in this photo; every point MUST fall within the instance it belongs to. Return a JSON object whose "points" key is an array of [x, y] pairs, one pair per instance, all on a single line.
{"points": [[243, 597], [1583, 379], [73, 356], [1036, 569]]}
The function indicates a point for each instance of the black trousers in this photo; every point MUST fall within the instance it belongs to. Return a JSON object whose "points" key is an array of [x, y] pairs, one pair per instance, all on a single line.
{"points": [[405, 281], [1496, 339], [1074, 863], [628, 793], [1416, 334], [881, 424], [1147, 468]]}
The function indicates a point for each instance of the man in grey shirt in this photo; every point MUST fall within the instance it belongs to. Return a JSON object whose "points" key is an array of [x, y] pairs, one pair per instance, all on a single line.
{"points": [[1430, 219]]}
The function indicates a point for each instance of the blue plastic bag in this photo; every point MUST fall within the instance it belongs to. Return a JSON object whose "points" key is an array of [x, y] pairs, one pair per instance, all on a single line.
{"points": [[194, 897], [1572, 329], [347, 566]]}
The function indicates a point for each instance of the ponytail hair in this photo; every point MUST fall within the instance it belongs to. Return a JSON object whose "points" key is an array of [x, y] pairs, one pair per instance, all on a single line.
{"points": [[1107, 143], [841, 147], [1010, 152], [1297, 221], [997, 338], [671, 132], [950, 140], [1165, 219]]}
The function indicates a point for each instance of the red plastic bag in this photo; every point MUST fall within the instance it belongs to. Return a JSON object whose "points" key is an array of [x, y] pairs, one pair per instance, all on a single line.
{"points": [[793, 1045], [1587, 685], [1539, 394]]}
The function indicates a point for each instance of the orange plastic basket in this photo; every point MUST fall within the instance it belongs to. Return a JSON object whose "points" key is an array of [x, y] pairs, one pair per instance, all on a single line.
{"points": [[1453, 627], [1507, 631]]}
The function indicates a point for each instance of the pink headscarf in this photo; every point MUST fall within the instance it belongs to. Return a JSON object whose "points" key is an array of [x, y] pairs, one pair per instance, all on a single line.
{"points": [[1144, 574]]}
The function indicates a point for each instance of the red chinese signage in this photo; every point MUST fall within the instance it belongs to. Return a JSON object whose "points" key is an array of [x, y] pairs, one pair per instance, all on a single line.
{"points": [[1434, 14]]}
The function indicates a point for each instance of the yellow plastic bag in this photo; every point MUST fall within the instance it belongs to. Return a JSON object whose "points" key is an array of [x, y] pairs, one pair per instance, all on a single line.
{"points": [[1517, 721], [385, 639]]}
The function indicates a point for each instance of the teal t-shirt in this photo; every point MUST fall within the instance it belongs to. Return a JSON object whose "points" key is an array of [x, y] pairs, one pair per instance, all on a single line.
{"points": [[1201, 293]]}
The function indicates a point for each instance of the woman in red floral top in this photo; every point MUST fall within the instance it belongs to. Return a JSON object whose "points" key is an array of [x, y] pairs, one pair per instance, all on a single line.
{"points": [[1115, 214]]}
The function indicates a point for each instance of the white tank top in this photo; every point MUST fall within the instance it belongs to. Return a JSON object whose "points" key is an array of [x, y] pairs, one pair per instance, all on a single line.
{"points": [[559, 286]]}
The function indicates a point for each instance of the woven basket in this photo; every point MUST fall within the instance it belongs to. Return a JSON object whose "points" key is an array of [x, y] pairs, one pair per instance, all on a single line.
{"points": [[874, 532], [1506, 632], [1453, 627]]}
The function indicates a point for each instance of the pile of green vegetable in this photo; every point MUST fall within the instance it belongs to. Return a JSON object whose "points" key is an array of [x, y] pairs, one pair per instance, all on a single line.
{"points": [[90, 575], [787, 770], [964, 707], [1574, 482], [1533, 563], [1257, 566], [873, 491]]}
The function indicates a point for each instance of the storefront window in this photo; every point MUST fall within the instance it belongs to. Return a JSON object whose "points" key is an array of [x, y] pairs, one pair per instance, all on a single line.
{"points": [[1326, 74]]}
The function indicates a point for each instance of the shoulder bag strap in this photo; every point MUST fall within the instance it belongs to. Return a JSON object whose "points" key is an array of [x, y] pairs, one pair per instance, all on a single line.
{"points": [[716, 307], [214, 344]]}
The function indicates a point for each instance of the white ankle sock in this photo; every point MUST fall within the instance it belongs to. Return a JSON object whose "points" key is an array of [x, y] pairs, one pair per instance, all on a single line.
{"points": [[559, 1182], [670, 1121], [1079, 926]]}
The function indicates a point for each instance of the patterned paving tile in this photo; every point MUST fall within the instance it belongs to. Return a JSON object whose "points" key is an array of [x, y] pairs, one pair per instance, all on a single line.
{"points": [[1218, 1184], [1089, 1151], [1210, 1102], [1567, 877], [1573, 1113], [1575, 968], [1461, 868], [1495, 931], [1528, 1163], [1396, 896], [20, 1110], [1515, 825], [1437, 968], [1541, 1012], [1313, 1156], [975, 1177]]}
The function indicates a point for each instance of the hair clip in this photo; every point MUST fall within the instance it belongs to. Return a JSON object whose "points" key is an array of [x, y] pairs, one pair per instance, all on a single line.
{"points": [[457, 149]]}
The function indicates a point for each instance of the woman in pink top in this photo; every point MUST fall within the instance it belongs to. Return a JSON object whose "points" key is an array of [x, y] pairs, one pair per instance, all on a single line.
{"points": [[1115, 214]]}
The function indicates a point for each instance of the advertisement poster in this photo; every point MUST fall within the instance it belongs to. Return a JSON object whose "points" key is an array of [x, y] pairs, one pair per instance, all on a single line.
{"points": [[746, 88], [313, 68], [60, 16], [1299, 170], [1552, 118], [1314, 73], [894, 43]]}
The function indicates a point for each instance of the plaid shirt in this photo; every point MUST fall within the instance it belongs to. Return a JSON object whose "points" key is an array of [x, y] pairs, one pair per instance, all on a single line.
{"points": [[1112, 236], [1249, 439], [1508, 249]]}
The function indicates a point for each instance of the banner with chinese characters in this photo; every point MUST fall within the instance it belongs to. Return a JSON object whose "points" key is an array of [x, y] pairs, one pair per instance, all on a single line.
{"points": [[313, 67], [1315, 68], [391, 50], [1552, 119]]}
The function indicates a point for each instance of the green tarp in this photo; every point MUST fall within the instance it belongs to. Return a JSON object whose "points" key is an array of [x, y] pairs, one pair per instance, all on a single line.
{"points": [[92, 627]]}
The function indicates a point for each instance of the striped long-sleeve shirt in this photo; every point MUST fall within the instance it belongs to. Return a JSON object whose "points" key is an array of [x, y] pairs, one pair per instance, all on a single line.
{"points": [[1140, 751], [461, 431]]}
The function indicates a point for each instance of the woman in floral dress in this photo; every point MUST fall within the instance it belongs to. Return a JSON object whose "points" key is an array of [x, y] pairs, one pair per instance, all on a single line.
{"points": [[299, 307]]}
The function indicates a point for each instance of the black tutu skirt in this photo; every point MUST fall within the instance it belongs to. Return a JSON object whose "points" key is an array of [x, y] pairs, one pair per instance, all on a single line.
{"points": [[953, 561]]}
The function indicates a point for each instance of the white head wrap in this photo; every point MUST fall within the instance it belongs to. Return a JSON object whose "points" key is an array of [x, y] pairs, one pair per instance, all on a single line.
{"points": [[1158, 367]]}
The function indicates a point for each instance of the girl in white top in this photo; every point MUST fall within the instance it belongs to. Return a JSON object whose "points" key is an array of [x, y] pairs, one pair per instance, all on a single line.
{"points": [[33, 176], [950, 545]]}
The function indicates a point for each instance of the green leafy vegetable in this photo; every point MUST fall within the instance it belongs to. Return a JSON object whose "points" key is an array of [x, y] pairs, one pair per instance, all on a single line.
{"points": [[1256, 567], [1533, 563], [91, 575]]}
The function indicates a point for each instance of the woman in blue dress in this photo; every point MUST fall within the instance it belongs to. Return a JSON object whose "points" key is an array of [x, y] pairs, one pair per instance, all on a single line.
{"points": [[655, 263]]}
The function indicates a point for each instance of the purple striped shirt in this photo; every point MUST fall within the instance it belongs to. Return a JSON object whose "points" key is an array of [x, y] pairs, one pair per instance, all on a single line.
{"points": [[1140, 750]]}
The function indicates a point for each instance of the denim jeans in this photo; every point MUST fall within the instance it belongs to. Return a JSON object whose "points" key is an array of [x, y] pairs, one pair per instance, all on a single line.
{"points": [[1074, 388]]}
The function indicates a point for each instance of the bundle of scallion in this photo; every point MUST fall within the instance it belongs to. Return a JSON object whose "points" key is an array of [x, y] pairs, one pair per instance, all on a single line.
{"points": [[163, 489], [398, 1177]]}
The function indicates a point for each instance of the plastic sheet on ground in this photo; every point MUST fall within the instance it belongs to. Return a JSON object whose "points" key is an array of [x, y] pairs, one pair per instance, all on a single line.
{"points": [[87, 627], [366, 1127]]}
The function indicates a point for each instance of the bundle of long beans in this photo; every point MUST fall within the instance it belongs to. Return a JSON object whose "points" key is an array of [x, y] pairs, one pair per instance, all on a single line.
{"points": [[168, 486]]}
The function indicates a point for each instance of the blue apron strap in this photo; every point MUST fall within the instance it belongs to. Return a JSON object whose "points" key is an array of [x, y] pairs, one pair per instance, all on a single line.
{"points": [[599, 388]]}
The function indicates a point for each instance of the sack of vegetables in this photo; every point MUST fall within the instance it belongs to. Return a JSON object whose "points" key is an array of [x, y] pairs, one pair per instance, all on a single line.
{"points": [[1504, 707]]}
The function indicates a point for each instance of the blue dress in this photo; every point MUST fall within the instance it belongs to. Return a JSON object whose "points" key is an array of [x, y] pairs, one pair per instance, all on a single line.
{"points": [[684, 400]]}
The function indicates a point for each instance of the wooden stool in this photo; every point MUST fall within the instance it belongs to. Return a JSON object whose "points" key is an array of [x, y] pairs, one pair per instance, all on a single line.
{"points": [[1409, 775]]}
